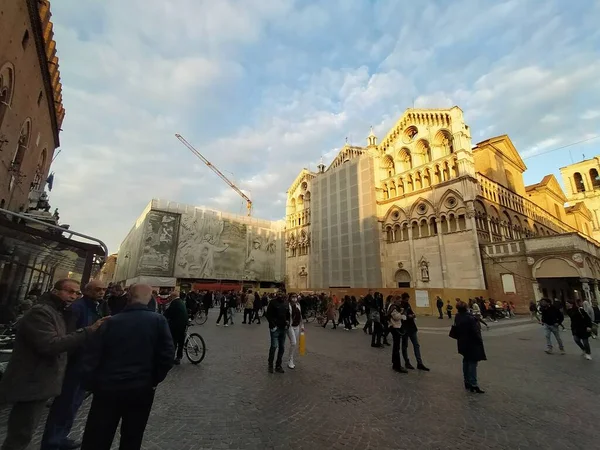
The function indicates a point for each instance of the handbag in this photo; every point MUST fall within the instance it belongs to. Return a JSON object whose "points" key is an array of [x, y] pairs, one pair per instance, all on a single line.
{"points": [[453, 332], [302, 344]]}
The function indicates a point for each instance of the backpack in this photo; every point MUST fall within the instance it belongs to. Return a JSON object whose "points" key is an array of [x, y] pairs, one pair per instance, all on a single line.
{"points": [[375, 317]]}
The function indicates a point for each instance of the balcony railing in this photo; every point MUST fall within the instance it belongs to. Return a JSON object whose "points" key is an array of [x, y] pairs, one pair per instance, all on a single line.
{"points": [[421, 177], [494, 192]]}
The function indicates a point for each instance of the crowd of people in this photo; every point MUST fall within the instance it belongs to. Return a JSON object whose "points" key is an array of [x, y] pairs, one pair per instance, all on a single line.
{"points": [[119, 344]]}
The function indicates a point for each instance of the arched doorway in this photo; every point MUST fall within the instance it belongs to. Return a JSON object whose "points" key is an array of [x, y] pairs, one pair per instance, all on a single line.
{"points": [[558, 278], [402, 278]]}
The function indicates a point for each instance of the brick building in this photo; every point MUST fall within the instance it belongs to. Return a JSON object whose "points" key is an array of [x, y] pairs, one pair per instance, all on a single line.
{"points": [[31, 111]]}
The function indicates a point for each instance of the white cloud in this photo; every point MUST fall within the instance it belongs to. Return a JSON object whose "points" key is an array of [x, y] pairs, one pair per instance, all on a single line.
{"points": [[591, 114]]}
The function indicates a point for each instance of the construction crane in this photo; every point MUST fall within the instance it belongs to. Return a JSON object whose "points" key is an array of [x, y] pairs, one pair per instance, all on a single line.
{"points": [[218, 172]]}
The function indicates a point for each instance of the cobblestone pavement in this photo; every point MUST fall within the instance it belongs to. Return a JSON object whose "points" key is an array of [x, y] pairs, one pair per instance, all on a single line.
{"points": [[344, 395]]}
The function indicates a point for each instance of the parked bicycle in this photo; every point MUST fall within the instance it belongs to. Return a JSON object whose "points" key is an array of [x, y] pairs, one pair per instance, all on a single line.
{"points": [[194, 347], [199, 317]]}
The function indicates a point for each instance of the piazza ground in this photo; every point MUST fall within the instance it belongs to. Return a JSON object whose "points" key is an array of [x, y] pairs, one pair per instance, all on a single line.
{"points": [[344, 395]]}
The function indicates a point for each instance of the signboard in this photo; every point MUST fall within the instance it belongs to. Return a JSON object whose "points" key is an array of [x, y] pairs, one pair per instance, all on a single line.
{"points": [[422, 299]]}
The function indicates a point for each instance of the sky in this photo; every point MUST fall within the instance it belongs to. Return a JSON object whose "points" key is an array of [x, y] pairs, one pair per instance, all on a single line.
{"points": [[264, 88]]}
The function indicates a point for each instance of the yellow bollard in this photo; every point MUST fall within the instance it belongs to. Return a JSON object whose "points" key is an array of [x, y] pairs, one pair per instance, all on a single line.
{"points": [[302, 344]]}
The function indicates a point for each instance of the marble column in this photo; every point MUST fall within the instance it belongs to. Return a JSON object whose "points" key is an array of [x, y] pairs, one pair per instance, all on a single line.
{"points": [[413, 261], [442, 251]]}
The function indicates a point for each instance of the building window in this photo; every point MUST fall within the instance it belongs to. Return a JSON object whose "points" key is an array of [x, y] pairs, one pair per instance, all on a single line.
{"points": [[40, 97], [510, 180], [557, 210], [595, 178], [579, 186], [25, 39], [7, 83], [508, 283]]}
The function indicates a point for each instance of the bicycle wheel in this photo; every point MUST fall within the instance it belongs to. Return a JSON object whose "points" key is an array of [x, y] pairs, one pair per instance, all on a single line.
{"points": [[310, 316], [201, 318], [195, 348]]}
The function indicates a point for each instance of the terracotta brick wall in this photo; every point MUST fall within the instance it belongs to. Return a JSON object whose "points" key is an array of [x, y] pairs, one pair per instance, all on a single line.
{"points": [[517, 265], [28, 84]]}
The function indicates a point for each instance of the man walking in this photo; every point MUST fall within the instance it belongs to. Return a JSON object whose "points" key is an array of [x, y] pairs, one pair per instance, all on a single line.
{"points": [[278, 316], [125, 362], [439, 303], [257, 307], [222, 302], [64, 408], [368, 303], [410, 332], [551, 319], [36, 369], [177, 317]]}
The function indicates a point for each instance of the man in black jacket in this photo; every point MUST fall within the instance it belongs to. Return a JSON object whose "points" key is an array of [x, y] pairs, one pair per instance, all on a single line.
{"points": [[130, 355], [368, 303], [551, 319], [278, 315]]}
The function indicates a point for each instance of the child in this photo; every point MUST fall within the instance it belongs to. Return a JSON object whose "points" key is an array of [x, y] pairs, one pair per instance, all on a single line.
{"points": [[449, 309]]}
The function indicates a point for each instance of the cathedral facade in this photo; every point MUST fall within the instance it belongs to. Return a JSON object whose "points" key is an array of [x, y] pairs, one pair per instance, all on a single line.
{"points": [[426, 210]]}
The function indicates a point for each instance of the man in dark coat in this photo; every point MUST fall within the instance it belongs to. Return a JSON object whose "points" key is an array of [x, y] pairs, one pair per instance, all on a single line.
{"points": [[124, 363], [368, 303], [117, 300], [40, 352], [278, 315], [64, 408], [177, 317]]}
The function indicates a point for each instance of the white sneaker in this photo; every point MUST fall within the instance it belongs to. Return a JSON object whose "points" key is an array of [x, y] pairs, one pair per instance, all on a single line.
{"points": [[588, 357], [291, 365], [226, 325], [218, 324], [583, 354]]}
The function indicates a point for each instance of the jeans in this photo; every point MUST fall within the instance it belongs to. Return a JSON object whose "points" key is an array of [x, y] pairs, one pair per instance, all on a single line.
{"points": [[470, 372], [247, 315], [377, 332], [439, 308], [553, 330], [63, 410], [223, 314], [131, 407], [294, 335], [583, 344], [277, 343], [412, 335], [396, 337], [230, 313]]}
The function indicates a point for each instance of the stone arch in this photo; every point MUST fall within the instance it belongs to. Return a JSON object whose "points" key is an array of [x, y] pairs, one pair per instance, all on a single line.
{"points": [[590, 268], [395, 211], [293, 205], [7, 88], [307, 196], [555, 267], [405, 161], [579, 185], [595, 178], [508, 231], [424, 148], [388, 167], [443, 139], [450, 193], [413, 213], [402, 278]]}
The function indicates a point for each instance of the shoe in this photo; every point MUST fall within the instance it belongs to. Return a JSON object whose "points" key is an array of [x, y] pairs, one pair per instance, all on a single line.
{"points": [[69, 444], [549, 351], [270, 369], [562, 351], [291, 366], [386, 343], [400, 369], [375, 345], [279, 370], [409, 366], [588, 357], [477, 390], [365, 331], [218, 324], [468, 386], [176, 362], [423, 368], [226, 325], [243, 323]]}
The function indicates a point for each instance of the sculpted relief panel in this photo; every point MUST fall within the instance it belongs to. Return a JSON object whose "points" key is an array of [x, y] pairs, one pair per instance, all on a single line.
{"points": [[216, 248], [158, 245]]}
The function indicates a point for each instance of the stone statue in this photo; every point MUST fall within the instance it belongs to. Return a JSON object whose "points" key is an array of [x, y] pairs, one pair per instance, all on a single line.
{"points": [[424, 266]]}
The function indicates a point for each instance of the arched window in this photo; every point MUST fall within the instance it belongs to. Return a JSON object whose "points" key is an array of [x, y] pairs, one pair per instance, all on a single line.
{"points": [[7, 83], [579, 186], [39, 171], [595, 178], [22, 145]]}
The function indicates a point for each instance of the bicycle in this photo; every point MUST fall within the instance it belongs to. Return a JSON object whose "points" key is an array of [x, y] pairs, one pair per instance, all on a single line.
{"points": [[194, 346], [311, 315], [199, 317]]}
